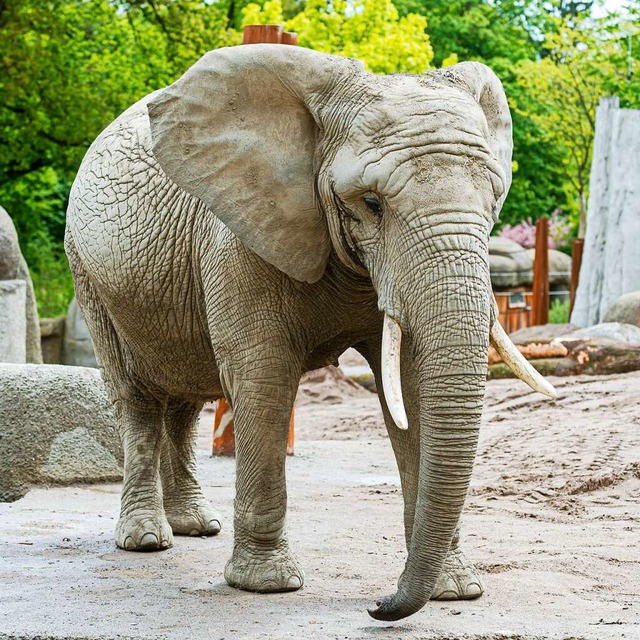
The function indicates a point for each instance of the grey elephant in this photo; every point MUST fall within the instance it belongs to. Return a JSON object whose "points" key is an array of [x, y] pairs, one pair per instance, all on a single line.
{"points": [[14, 267], [250, 222]]}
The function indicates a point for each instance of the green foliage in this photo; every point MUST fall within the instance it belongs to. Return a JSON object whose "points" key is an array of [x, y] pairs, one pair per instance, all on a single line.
{"points": [[68, 68], [559, 312], [583, 63], [370, 30]]}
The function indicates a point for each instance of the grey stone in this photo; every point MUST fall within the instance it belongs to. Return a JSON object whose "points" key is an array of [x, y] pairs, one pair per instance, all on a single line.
{"points": [[14, 267], [13, 326], [617, 332], [559, 267], [625, 309], [509, 263], [78, 348], [541, 334], [52, 337], [80, 451], [56, 426]]}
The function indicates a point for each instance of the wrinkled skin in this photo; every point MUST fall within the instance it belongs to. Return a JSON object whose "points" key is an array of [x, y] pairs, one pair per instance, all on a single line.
{"points": [[14, 267], [224, 241]]}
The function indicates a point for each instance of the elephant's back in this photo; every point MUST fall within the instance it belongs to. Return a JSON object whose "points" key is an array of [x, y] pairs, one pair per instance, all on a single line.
{"points": [[123, 210]]}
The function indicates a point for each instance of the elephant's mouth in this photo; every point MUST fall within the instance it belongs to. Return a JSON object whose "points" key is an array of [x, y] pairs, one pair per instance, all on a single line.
{"points": [[391, 381]]}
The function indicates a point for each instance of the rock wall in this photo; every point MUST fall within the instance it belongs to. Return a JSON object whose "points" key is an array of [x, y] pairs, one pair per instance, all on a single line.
{"points": [[611, 259]]}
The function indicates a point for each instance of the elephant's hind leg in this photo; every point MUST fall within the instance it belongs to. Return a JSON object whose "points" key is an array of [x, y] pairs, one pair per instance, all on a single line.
{"points": [[261, 559], [143, 525], [188, 511]]}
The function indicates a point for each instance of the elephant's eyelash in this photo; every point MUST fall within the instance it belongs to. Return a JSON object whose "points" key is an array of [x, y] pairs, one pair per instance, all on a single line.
{"points": [[342, 207]]}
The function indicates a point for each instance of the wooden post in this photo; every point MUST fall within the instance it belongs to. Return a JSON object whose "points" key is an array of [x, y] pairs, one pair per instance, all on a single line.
{"points": [[224, 440], [576, 263], [262, 33], [268, 33], [540, 303]]}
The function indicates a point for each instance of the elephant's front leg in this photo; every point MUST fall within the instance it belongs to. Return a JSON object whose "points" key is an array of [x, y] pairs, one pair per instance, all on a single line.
{"points": [[459, 579], [262, 405]]}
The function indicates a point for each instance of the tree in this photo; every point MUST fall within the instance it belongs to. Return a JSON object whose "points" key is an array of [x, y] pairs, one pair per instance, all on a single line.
{"points": [[582, 65], [370, 30], [68, 68]]}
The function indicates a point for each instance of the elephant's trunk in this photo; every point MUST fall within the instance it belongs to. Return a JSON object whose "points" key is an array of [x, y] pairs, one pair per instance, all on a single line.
{"points": [[448, 321]]}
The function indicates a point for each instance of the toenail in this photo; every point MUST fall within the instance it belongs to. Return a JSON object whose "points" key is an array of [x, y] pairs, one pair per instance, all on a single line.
{"points": [[294, 582], [149, 540]]}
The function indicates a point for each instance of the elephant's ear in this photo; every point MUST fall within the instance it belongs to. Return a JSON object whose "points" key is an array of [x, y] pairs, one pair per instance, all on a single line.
{"points": [[483, 84], [236, 131]]}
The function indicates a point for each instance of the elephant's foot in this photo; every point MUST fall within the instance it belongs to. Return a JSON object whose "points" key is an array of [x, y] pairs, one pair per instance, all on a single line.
{"points": [[265, 570], [195, 517], [143, 531], [459, 579]]}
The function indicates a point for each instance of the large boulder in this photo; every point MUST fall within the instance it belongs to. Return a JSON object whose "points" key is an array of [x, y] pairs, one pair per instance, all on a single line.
{"points": [[78, 348], [613, 332], [13, 327], [625, 309], [559, 268], [14, 267], [57, 426], [509, 263], [541, 334]]}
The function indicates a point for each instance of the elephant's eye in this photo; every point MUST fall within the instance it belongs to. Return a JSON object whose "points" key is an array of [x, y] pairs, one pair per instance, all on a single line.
{"points": [[373, 204]]}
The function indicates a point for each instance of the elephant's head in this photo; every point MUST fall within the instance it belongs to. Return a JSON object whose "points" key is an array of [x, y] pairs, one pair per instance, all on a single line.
{"points": [[301, 153]]}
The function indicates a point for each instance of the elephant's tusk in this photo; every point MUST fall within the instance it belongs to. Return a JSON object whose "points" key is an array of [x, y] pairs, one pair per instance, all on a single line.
{"points": [[518, 363], [391, 384]]}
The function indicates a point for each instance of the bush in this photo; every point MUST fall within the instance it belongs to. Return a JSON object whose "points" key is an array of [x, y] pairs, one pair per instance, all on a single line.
{"points": [[559, 312]]}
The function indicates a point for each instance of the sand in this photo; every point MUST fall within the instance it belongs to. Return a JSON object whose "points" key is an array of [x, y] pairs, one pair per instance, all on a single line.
{"points": [[552, 520]]}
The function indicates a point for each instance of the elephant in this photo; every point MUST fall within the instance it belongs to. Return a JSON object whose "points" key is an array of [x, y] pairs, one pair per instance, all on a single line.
{"points": [[271, 208], [14, 267]]}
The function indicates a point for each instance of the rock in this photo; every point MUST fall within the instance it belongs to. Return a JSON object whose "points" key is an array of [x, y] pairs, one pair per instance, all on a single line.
{"points": [[13, 326], [542, 333], [509, 263], [611, 258], [52, 338], [616, 332], [58, 426], [597, 358], [78, 348], [625, 309], [356, 368], [14, 267], [559, 268]]}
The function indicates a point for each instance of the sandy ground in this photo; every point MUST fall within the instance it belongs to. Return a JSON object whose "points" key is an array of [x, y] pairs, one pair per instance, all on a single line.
{"points": [[552, 519]]}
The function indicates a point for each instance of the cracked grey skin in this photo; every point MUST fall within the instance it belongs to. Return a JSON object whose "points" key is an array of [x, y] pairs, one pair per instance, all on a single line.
{"points": [[249, 223], [14, 267]]}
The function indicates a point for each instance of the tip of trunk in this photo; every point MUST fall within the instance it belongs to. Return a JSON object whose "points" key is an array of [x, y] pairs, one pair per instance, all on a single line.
{"points": [[396, 607]]}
